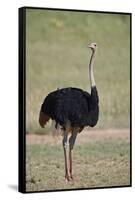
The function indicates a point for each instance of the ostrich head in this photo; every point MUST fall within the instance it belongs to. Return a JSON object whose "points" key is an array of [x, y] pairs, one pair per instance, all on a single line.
{"points": [[93, 46]]}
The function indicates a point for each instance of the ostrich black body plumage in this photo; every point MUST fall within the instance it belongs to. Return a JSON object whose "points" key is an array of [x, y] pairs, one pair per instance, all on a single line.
{"points": [[72, 109], [74, 105]]}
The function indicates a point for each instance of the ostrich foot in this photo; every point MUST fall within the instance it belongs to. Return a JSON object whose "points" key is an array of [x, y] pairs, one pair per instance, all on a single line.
{"points": [[67, 177], [71, 177]]}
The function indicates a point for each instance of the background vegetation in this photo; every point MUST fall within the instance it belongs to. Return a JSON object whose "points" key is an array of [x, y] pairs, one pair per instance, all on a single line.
{"points": [[57, 56]]}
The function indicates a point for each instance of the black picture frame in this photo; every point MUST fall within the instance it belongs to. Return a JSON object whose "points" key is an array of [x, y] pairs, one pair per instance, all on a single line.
{"points": [[22, 98]]}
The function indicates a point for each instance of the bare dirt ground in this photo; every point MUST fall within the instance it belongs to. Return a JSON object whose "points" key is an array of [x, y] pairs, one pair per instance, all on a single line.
{"points": [[84, 137]]}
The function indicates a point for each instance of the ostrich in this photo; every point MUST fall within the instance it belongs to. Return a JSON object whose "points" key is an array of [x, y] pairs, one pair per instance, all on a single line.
{"points": [[72, 109]]}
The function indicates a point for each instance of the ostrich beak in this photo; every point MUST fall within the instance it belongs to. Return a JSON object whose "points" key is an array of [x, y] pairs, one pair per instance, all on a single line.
{"points": [[89, 45]]}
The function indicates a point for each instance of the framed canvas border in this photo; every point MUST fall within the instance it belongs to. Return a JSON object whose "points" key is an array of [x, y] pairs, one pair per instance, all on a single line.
{"points": [[22, 99]]}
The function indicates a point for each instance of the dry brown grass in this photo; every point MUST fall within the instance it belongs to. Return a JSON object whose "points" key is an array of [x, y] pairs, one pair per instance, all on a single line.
{"points": [[101, 159]]}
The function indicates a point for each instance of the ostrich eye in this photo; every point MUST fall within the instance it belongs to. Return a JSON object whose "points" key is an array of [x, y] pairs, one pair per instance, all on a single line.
{"points": [[95, 45]]}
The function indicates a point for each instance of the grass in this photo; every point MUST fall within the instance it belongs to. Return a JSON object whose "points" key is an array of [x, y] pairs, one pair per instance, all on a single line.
{"points": [[57, 56], [101, 163]]}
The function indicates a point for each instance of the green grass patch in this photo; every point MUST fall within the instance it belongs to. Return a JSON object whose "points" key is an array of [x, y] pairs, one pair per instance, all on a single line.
{"points": [[97, 164]]}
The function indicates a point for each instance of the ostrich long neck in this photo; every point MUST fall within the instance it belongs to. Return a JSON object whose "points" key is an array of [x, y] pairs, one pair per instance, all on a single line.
{"points": [[91, 74]]}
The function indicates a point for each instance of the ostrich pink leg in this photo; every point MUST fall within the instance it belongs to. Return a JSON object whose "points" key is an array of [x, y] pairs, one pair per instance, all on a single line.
{"points": [[65, 145], [70, 163], [71, 145]]}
